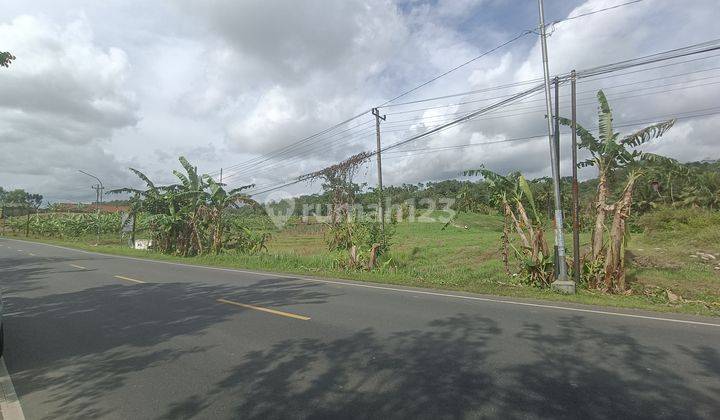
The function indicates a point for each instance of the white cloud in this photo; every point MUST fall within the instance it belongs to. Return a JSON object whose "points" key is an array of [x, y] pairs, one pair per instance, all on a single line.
{"points": [[63, 97], [224, 81], [589, 41]]}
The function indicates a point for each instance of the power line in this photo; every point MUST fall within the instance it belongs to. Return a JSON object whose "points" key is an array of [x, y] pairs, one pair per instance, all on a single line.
{"points": [[437, 128], [261, 159], [490, 51], [539, 109], [586, 93], [593, 12], [298, 157], [266, 157], [678, 116], [524, 82], [600, 70], [693, 114]]}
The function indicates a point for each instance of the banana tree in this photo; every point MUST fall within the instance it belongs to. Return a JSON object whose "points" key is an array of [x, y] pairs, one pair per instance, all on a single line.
{"points": [[610, 151], [703, 190], [187, 218], [155, 201], [191, 191], [220, 200], [509, 192]]}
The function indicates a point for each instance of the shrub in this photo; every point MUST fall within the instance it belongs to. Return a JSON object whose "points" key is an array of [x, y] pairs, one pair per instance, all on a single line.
{"points": [[670, 219]]}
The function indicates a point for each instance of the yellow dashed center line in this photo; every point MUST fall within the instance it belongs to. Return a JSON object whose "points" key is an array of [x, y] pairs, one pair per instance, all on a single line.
{"points": [[128, 279], [270, 311], [78, 266], [33, 254]]}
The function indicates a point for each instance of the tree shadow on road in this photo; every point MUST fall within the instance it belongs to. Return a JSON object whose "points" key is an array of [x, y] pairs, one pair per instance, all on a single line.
{"points": [[76, 348], [586, 372], [457, 367], [26, 274], [79, 347], [431, 373]]}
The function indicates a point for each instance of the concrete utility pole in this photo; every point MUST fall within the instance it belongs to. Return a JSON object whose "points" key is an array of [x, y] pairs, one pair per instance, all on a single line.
{"points": [[575, 190], [556, 130], [381, 212], [562, 283], [556, 142], [98, 200]]}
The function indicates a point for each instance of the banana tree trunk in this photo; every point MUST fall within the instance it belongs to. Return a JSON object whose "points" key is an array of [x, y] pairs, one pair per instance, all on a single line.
{"points": [[614, 269], [217, 234], [516, 223], [506, 244], [194, 232], [600, 216]]}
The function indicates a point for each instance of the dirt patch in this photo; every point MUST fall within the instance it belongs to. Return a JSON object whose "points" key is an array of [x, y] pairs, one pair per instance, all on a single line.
{"points": [[652, 261], [489, 255]]}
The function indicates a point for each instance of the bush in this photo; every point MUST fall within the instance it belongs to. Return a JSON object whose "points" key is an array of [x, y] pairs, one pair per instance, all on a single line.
{"points": [[242, 238], [670, 219], [361, 233], [363, 238], [68, 225]]}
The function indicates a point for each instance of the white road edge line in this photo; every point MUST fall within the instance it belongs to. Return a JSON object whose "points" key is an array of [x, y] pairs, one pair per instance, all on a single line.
{"points": [[392, 289], [9, 403]]}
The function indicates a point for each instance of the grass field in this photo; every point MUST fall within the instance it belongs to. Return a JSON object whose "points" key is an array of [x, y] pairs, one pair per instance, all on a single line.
{"points": [[465, 257]]}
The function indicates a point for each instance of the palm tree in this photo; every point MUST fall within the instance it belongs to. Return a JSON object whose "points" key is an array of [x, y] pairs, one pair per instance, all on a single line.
{"points": [[609, 152]]}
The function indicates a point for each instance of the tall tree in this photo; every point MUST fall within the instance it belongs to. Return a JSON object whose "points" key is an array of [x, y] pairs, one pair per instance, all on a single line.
{"points": [[6, 58], [21, 198]]}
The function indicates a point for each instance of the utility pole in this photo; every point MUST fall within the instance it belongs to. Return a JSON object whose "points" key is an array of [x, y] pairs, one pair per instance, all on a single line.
{"points": [[575, 191], [381, 213], [556, 143], [556, 131], [562, 283], [221, 175], [98, 194]]}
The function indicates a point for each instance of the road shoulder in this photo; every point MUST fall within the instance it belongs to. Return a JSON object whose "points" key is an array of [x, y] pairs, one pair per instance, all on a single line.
{"points": [[10, 408]]}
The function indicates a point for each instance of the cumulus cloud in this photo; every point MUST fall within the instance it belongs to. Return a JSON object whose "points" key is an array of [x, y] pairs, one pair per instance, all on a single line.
{"points": [[62, 98], [223, 82], [577, 44]]}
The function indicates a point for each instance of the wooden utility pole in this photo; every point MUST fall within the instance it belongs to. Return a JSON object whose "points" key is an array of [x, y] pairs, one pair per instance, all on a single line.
{"points": [[381, 212], [575, 191]]}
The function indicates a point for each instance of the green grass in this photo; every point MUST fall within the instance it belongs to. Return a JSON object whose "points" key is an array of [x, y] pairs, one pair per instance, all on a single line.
{"points": [[465, 257]]}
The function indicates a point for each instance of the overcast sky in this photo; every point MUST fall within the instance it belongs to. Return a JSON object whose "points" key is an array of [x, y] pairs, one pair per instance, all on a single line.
{"points": [[103, 86]]}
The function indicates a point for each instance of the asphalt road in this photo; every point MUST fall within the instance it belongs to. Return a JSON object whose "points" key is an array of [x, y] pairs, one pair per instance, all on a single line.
{"points": [[90, 335]]}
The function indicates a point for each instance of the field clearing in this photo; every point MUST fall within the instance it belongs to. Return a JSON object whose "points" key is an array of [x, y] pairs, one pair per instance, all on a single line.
{"points": [[465, 257]]}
